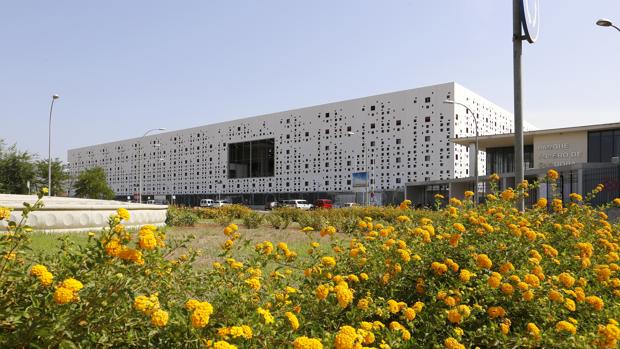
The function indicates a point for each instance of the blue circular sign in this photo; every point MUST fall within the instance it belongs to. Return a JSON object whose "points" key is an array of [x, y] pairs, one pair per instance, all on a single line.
{"points": [[530, 19]]}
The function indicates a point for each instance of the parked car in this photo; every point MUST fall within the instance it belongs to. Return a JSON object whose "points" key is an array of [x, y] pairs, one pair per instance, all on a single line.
{"points": [[206, 203], [323, 203], [220, 203], [301, 204], [150, 202], [273, 204], [349, 204]]}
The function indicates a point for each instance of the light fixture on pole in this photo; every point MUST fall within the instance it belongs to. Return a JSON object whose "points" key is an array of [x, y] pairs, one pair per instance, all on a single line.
{"points": [[604, 22], [467, 109], [140, 159], [49, 148], [350, 133]]}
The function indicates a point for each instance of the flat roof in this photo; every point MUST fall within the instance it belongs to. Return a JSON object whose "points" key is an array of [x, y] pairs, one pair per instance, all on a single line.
{"points": [[507, 139]]}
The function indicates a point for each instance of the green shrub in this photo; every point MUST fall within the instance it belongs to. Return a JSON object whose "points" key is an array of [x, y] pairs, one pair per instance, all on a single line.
{"points": [[277, 221], [223, 218], [253, 220], [181, 217]]}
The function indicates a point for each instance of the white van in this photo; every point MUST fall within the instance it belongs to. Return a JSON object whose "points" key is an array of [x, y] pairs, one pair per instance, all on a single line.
{"points": [[206, 203], [301, 204]]}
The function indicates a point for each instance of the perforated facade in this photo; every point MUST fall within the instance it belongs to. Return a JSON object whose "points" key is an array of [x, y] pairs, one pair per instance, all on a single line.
{"points": [[397, 137]]}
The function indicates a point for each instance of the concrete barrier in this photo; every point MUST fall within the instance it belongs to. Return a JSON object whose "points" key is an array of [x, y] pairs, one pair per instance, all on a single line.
{"points": [[61, 214]]}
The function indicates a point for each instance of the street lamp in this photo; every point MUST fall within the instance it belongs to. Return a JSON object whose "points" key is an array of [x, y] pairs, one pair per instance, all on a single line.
{"points": [[350, 133], [604, 22], [467, 109], [140, 159], [49, 148]]}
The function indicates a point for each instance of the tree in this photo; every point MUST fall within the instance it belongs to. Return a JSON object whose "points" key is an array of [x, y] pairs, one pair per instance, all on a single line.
{"points": [[16, 170], [59, 176], [92, 184]]}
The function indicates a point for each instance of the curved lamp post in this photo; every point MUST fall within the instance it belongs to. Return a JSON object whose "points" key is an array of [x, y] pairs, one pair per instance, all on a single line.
{"points": [[49, 148], [467, 109], [604, 22], [140, 159], [366, 201]]}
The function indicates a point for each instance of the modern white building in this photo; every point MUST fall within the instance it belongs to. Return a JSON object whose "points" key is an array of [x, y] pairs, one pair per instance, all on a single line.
{"points": [[390, 139]]}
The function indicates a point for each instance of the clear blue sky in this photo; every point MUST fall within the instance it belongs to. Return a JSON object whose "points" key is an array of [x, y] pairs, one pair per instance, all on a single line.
{"points": [[122, 67]]}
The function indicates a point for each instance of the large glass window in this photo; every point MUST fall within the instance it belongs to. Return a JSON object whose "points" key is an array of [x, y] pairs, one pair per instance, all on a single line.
{"points": [[501, 160], [251, 159], [603, 145]]}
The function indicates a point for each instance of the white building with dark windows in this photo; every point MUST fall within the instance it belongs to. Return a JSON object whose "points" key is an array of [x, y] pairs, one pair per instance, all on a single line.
{"points": [[386, 140]]}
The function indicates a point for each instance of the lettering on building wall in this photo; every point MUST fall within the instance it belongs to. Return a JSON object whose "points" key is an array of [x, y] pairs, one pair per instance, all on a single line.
{"points": [[558, 154]]}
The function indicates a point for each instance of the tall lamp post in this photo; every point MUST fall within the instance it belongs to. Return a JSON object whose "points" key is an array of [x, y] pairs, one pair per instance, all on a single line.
{"points": [[604, 22], [140, 159], [49, 148], [468, 110], [365, 166]]}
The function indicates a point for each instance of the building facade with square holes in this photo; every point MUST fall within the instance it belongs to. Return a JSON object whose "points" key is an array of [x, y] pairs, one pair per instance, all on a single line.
{"points": [[305, 153]]}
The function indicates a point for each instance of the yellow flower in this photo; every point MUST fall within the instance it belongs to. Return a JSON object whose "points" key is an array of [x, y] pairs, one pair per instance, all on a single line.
{"points": [[616, 201], [328, 261], [483, 261], [533, 330], [5, 213], [454, 316], [159, 318], [292, 319], [553, 174], [465, 275], [347, 338], [307, 229], [451, 343], [508, 194], [495, 312], [439, 268], [38, 270], [269, 319], [223, 345], [494, 177], [363, 304], [63, 295], [469, 194], [46, 278], [321, 292], [147, 240], [541, 203], [565, 326], [307, 343], [72, 284], [123, 213], [596, 302], [343, 294]]}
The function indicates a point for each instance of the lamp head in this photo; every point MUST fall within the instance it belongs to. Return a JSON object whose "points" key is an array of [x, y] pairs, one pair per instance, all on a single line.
{"points": [[604, 22], [447, 101], [55, 96]]}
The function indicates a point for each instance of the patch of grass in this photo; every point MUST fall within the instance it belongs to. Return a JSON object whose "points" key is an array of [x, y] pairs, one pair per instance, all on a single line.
{"points": [[49, 243]]}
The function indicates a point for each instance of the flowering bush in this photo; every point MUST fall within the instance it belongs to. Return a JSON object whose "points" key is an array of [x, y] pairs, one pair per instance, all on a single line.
{"points": [[486, 275]]}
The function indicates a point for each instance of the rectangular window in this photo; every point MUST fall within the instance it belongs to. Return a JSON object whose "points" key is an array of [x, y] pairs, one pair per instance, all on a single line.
{"points": [[427, 138], [427, 100], [251, 159], [397, 122], [372, 125], [427, 119], [398, 141]]}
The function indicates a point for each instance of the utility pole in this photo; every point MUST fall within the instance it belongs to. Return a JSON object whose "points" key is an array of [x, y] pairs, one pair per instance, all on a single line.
{"points": [[525, 26], [517, 48]]}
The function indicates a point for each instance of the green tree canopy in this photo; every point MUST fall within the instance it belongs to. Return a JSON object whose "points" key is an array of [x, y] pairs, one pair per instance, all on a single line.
{"points": [[59, 176], [92, 184], [16, 170]]}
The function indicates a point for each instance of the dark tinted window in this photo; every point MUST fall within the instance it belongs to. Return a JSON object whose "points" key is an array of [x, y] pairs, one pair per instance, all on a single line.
{"points": [[251, 159]]}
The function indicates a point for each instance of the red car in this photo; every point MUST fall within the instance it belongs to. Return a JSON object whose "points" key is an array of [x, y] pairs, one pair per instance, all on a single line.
{"points": [[323, 203]]}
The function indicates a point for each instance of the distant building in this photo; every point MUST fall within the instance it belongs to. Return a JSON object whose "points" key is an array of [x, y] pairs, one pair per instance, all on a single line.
{"points": [[585, 156], [338, 150]]}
